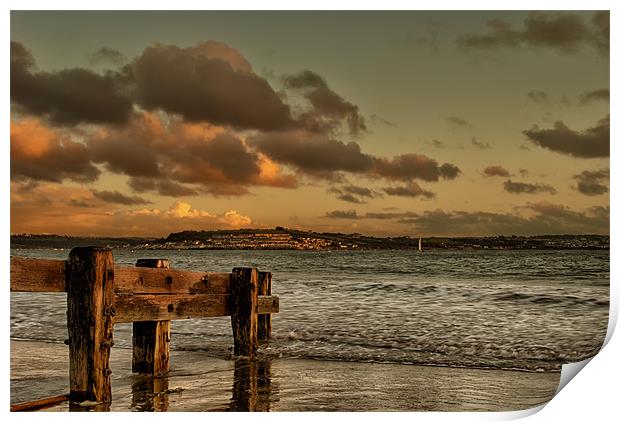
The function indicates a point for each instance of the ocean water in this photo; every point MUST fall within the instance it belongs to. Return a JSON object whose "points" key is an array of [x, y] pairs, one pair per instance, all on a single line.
{"points": [[527, 310]]}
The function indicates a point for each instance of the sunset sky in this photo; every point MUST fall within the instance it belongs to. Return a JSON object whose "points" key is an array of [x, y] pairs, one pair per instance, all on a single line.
{"points": [[383, 123]]}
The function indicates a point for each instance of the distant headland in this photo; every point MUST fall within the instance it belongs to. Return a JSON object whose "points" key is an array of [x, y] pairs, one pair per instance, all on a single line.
{"points": [[281, 238]]}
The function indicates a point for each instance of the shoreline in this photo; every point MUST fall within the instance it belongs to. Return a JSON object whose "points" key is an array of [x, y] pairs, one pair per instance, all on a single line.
{"points": [[198, 382]]}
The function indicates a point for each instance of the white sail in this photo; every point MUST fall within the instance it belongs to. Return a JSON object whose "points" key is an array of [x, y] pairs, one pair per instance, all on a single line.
{"points": [[420, 244]]}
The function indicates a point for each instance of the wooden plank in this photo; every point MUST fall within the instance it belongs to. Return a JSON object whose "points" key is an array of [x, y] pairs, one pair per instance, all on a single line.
{"points": [[264, 321], [151, 339], [169, 281], [244, 310], [39, 404], [37, 275], [90, 321], [47, 275], [130, 308]]}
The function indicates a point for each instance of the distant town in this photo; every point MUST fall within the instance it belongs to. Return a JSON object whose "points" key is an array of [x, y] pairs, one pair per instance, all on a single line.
{"points": [[281, 238]]}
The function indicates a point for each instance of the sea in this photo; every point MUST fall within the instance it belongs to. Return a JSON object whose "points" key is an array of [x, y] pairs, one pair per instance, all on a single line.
{"points": [[516, 310]]}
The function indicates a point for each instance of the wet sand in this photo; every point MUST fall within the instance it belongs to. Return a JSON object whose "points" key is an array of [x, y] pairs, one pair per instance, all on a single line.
{"points": [[198, 382]]}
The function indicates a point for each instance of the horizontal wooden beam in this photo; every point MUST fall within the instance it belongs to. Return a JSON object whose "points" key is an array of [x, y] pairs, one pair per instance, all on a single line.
{"points": [[37, 275], [139, 307], [169, 281], [47, 275]]}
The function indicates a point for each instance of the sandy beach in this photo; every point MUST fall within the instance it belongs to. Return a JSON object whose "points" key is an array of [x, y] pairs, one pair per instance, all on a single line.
{"points": [[201, 383]]}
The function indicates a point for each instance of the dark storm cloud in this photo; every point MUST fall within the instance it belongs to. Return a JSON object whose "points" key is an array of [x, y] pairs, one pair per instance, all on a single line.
{"points": [[38, 153], [116, 197], [590, 143], [311, 152], [496, 171], [68, 96], [518, 187], [566, 32], [412, 190], [202, 85], [456, 122], [538, 96], [595, 95], [328, 108], [414, 166], [594, 182], [107, 55]]}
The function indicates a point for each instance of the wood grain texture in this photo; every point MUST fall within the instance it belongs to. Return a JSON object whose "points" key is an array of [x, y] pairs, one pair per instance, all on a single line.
{"points": [[37, 275], [264, 321], [131, 308], [169, 281], [151, 339], [47, 275], [244, 310], [90, 322]]}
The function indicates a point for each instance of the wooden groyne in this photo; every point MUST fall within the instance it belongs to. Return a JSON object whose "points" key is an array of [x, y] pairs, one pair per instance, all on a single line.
{"points": [[149, 295]]}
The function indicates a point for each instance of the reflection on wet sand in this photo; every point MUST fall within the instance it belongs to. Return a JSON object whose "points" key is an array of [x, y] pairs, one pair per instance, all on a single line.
{"points": [[252, 389], [149, 393]]}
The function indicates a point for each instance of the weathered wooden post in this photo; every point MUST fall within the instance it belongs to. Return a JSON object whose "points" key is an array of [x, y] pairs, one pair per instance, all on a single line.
{"points": [[244, 310], [151, 339], [90, 321], [264, 320]]}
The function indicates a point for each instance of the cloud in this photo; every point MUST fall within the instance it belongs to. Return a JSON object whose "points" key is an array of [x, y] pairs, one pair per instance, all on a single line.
{"points": [[344, 215], [479, 144], [328, 108], [116, 197], [590, 143], [414, 166], [523, 172], [46, 207], [209, 82], [163, 187], [535, 219], [176, 158], [518, 187], [377, 120], [456, 122], [234, 219], [40, 153], [593, 182], [412, 190], [496, 171], [107, 55], [312, 152], [595, 95], [563, 31], [353, 193], [545, 219], [538, 96], [68, 96]]}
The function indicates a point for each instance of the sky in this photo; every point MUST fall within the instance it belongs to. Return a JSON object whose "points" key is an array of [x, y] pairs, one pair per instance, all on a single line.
{"points": [[420, 123]]}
